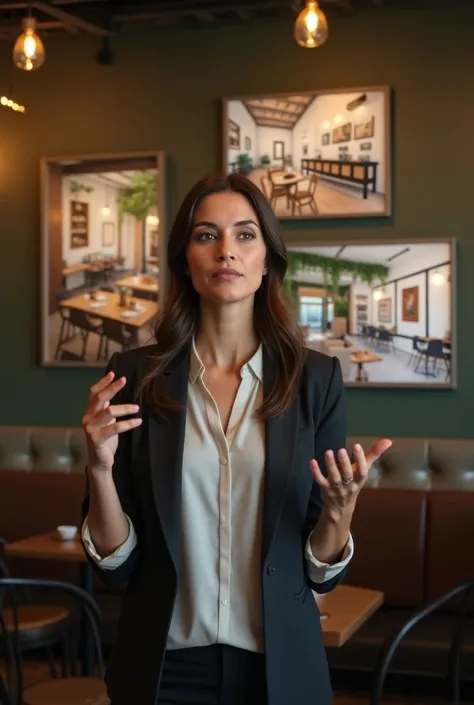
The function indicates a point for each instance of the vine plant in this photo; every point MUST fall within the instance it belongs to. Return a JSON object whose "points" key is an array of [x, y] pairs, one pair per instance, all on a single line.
{"points": [[332, 270]]}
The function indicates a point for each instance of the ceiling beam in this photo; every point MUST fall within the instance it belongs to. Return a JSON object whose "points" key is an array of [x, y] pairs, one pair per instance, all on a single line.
{"points": [[110, 165], [25, 5], [71, 20], [185, 8], [269, 109]]}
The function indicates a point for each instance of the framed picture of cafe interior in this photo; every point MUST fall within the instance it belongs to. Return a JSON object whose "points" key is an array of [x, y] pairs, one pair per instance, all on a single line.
{"points": [[102, 228], [385, 309], [321, 154]]}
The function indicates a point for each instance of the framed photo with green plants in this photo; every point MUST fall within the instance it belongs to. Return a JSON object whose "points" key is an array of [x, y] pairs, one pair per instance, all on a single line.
{"points": [[349, 297], [102, 253], [289, 145]]}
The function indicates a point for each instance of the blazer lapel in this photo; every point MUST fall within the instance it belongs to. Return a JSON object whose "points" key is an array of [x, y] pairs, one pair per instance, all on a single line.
{"points": [[280, 446], [166, 445]]}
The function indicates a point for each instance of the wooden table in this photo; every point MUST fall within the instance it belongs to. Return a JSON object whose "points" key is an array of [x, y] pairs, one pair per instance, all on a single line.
{"points": [[345, 610], [50, 546], [109, 307], [361, 357], [140, 284], [286, 178], [47, 547]]}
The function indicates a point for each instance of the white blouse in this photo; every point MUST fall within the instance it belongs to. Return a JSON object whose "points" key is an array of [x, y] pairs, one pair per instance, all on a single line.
{"points": [[219, 591]]}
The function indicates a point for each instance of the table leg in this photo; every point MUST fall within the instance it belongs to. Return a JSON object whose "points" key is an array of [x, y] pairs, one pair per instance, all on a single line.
{"points": [[87, 643], [362, 375]]}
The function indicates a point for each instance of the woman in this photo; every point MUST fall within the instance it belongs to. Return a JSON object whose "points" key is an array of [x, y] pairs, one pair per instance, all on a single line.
{"points": [[213, 484]]}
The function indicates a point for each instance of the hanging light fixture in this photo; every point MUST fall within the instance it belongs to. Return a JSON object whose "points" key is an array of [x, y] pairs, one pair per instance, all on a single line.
{"points": [[437, 278], [311, 26], [28, 52], [7, 100], [106, 210]]}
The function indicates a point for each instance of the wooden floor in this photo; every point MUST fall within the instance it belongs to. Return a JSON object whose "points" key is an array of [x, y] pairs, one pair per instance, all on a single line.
{"points": [[330, 198], [37, 672]]}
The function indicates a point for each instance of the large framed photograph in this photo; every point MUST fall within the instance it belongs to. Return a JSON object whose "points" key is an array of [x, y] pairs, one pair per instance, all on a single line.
{"points": [[308, 151], [385, 309], [102, 254]]}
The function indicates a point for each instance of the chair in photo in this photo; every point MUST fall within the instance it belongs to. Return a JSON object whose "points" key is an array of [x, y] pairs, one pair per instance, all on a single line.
{"points": [[305, 197]]}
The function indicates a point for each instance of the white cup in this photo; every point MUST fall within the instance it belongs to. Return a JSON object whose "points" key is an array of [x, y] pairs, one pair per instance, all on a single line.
{"points": [[67, 532]]}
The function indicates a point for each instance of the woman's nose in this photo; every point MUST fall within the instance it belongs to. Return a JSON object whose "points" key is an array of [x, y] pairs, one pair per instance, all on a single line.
{"points": [[225, 256]]}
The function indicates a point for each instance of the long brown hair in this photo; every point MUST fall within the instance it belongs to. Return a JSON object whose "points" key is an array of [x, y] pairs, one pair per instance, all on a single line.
{"points": [[180, 313]]}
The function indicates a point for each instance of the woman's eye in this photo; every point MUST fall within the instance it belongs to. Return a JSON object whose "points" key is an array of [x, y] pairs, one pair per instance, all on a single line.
{"points": [[205, 236], [248, 235]]}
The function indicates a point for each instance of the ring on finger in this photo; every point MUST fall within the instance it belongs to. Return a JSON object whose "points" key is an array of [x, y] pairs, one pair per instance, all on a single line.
{"points": [[347, 480]]}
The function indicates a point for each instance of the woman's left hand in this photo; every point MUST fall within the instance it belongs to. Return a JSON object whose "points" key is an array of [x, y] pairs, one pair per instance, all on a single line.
{"points": [[344, 481]]}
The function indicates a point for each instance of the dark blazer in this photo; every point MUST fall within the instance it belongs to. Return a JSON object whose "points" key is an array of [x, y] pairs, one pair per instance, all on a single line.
{"points": [[147, 474]]}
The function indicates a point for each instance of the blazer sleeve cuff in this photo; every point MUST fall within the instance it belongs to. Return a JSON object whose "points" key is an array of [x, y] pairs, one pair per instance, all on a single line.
{"points": [[119, 556], [319, 572]]}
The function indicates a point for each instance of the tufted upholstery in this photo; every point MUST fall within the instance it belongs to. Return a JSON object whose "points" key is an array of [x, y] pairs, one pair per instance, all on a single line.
{"points": [[422, 464], [411, 463], [50, 449], [413, 524]]}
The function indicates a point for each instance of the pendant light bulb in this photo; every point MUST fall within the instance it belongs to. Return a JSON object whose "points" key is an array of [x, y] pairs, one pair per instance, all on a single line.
{"points": [[311, 26], [28, 52]]}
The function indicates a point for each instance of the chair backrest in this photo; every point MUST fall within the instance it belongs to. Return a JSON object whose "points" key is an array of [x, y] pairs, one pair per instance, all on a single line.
{"points": [[11, 638], [435, 348]]}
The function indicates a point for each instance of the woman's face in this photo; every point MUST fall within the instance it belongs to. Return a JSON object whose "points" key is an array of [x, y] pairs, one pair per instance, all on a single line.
{"points": [[226, 252]]}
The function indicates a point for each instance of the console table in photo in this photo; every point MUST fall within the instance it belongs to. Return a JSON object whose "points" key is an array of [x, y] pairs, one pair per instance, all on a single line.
{"points": [[360, 173]]}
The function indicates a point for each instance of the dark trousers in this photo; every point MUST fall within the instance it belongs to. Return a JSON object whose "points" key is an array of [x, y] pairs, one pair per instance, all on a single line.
{"points": [[213, 675]]}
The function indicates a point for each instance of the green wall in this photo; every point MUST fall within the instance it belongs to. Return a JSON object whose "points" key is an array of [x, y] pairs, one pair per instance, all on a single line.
{"points": [[164, 93]]}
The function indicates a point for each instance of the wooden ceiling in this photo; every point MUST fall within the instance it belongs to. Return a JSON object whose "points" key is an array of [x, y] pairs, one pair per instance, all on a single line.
{"points": [[106, 18], [278, 112]]}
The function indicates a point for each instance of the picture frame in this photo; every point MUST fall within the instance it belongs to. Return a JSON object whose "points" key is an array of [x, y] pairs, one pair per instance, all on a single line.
{"points": [[365, 130], [278, 150], [342, 133], [410, 304], [79, 224], [108, 234], [341, 185], [355, 300], [101, 272], [385, 310]]}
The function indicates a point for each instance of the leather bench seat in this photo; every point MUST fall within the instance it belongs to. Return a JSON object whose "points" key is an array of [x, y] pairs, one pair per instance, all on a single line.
{"points": [[423, 651], [413, 531]]}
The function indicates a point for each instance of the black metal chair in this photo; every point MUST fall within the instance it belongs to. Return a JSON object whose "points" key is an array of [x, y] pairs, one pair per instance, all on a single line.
{"points": [[81, 690], [40, 626], [454, 666]]}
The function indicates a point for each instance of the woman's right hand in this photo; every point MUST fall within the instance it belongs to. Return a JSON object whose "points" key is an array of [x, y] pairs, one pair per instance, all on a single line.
{"points": [[100, 422]]}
